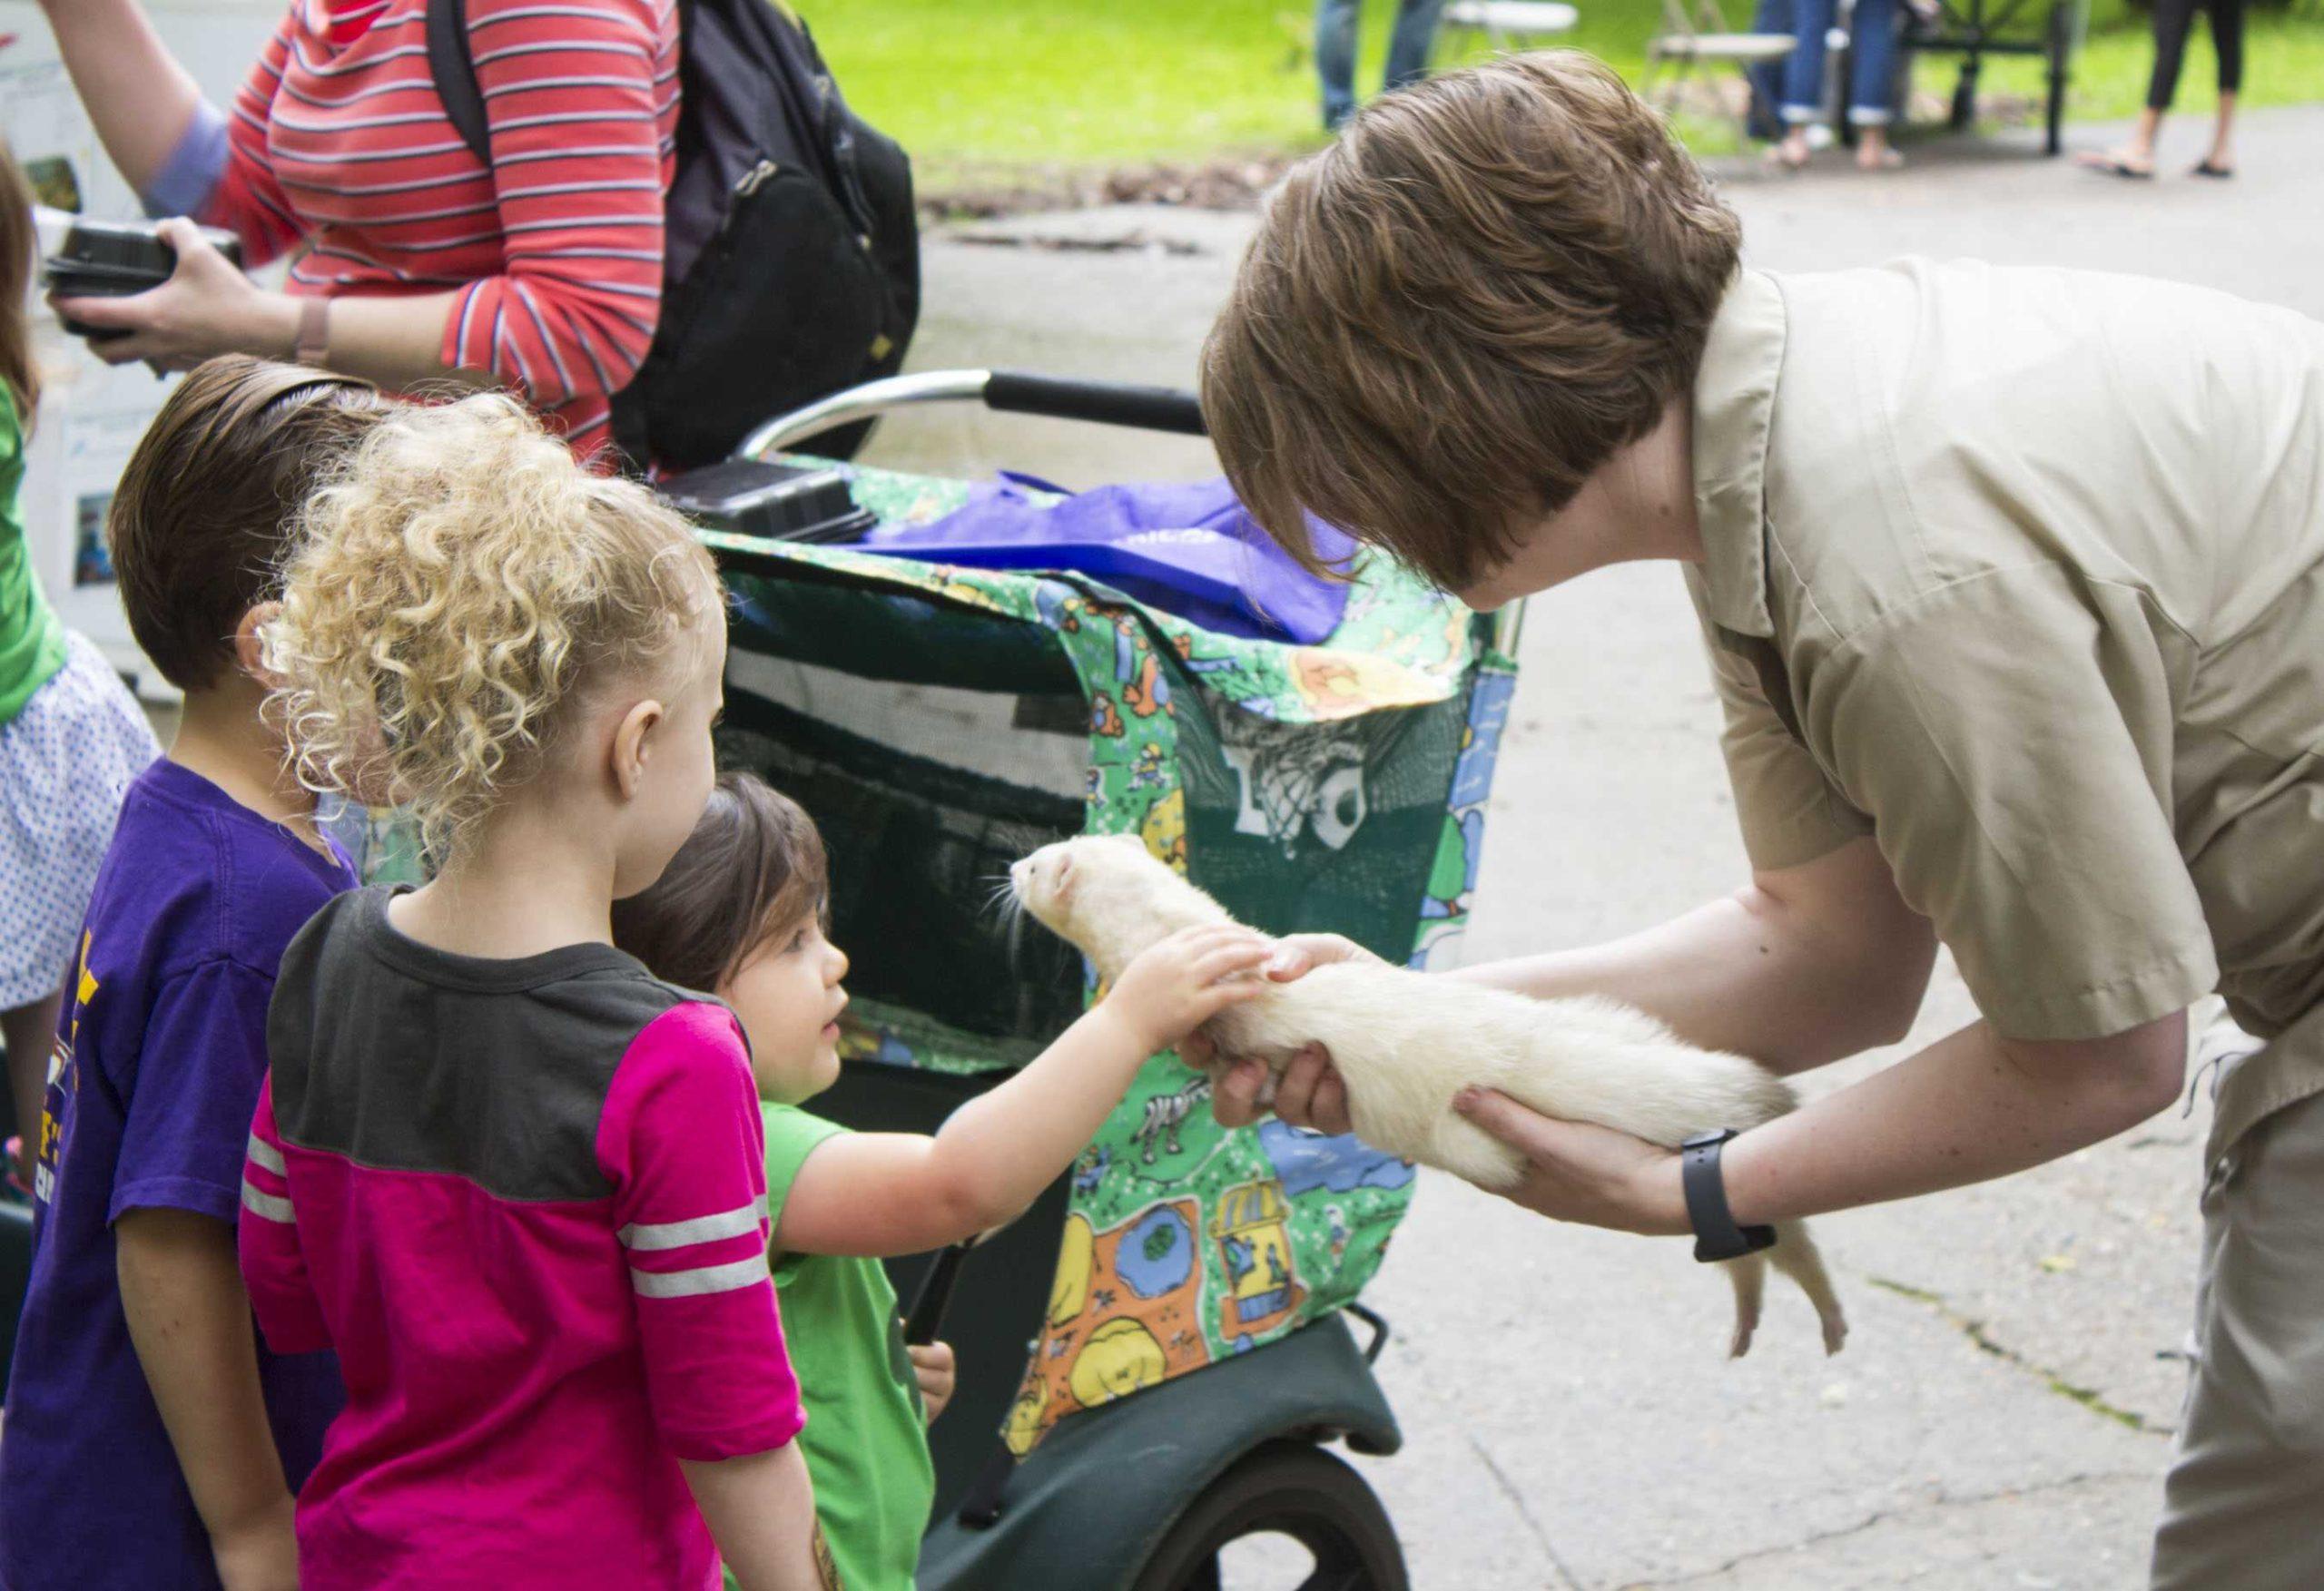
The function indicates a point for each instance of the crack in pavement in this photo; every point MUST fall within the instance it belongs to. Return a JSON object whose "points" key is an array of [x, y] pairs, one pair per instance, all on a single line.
{"points": [[1943, 1499], [1566, 1577], [2089, 1398]]}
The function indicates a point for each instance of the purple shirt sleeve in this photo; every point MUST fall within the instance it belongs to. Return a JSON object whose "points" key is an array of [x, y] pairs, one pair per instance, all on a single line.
{"points": [[199, 1068], [190, 175]]}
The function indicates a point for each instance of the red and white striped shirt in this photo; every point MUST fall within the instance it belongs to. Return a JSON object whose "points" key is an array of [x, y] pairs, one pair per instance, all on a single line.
{"points": [[339, 142]]}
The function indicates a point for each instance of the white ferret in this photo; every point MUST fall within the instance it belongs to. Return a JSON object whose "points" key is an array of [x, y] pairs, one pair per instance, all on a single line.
{"points": [[1405, 1043]]}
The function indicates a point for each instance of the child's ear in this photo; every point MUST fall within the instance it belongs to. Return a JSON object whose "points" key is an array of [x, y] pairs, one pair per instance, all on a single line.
{"points": [[253, 644], [632, 746]]}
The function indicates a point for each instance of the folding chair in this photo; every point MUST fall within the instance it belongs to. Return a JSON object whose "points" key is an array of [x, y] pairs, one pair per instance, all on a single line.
{"points": [[1506, 27], [1699, 36]]}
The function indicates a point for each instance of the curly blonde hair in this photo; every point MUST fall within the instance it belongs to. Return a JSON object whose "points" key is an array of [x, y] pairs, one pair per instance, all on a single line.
{"points": [[459, 585]]}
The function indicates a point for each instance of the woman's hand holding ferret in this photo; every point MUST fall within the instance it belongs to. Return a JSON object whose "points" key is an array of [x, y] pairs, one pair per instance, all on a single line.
{"points": [[1579, 1171], [1310, 1093], [1176, 985], [1575, 1171]]}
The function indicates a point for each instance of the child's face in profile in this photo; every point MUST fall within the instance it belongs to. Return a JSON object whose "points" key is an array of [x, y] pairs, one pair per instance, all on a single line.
{"points": [[787, 994]]}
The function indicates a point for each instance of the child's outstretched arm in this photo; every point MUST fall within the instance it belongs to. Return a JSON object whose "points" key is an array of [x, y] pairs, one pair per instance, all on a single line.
{"points": [[190, 1321], [876, 1194]]}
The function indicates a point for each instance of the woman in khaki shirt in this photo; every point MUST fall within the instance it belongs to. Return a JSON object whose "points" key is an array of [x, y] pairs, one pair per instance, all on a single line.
{"points": [[2013, 585]]}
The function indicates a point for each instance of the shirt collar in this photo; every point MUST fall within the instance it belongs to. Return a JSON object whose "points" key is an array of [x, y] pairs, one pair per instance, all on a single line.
{"points": [[1734, 401]]}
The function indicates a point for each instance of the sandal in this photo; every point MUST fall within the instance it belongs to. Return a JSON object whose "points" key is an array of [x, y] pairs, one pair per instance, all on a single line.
{"points": [[2208, 169], [2114, 165]]}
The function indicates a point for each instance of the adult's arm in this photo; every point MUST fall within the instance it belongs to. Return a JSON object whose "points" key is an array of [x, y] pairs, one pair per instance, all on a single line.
{"points": [[1968, 1108], [208, 308], [572, 95], [1804, 966], [141, 100]]}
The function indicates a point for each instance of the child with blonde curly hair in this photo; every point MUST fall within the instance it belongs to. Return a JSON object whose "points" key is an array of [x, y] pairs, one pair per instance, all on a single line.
{"points": [[515, 1181]]}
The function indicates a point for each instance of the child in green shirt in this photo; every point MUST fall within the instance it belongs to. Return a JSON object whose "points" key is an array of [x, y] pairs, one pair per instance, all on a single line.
{"points": [[740, 911], [70, 736]]}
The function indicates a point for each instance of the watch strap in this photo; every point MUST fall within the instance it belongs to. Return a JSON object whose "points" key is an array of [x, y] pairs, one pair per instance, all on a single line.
{"points": [[1717, 1237], [313, 346]]}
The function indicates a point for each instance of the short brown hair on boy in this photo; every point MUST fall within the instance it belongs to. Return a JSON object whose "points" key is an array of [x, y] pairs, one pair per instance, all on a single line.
{"points": [[203, 515], [1490, 283]]}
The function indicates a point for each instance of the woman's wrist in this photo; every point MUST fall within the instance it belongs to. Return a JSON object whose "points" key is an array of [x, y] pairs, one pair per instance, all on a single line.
{"points": [[271, 326]]}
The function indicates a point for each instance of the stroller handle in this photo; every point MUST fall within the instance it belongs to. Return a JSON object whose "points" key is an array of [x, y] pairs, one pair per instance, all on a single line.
{"points": [[1109, 403]]}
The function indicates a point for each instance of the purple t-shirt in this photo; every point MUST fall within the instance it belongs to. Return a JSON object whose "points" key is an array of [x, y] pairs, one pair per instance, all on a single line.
{"points": [[151, 1093]]}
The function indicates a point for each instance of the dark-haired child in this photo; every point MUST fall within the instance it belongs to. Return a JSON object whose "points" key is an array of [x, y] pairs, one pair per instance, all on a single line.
{"points": [[739, 910], [151, 1442]]}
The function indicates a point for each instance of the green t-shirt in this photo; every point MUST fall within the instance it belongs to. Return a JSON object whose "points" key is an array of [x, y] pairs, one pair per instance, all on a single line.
{"points": [[31, 642], [866, 1440]]}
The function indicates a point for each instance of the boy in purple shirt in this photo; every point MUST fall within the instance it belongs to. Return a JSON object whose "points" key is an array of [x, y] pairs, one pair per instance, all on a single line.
{"points": [[152, 1443]]}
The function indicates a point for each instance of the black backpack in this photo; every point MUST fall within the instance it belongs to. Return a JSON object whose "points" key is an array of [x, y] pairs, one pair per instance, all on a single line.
{"points": [[791, 263]]}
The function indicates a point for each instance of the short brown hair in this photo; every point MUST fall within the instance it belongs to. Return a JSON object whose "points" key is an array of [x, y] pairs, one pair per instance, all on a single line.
{"points": [[753, 866], [202, 519], [1489, 285]]}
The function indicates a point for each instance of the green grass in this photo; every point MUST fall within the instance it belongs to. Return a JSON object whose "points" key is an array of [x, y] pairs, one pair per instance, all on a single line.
{"points": [[977, 86]]}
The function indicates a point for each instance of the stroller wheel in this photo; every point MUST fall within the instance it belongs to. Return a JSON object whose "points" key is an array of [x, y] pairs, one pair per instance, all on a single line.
{"points": [[1290, 1488]]}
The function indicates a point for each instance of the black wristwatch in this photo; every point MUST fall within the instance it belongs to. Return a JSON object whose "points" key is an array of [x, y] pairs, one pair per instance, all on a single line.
{"points": [[1717, 1237]]}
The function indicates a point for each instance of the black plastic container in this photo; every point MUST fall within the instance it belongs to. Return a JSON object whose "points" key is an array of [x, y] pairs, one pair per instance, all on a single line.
{"points": [[777, 501]]}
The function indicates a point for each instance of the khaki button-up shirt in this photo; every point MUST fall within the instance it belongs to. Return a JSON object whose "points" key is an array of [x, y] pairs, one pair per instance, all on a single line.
{"points": [[2022, 572]]}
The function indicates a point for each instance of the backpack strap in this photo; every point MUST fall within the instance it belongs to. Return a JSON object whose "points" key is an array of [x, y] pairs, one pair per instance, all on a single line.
{"points": [[452, 66]]}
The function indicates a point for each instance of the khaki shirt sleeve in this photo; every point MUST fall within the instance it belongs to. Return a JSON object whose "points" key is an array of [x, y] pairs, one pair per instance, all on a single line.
{"points": [[2011, 738], [1789, 811]]}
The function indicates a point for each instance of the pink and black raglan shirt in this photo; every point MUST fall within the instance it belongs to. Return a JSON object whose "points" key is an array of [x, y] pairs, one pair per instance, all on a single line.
{"points": [[525, 1201]]}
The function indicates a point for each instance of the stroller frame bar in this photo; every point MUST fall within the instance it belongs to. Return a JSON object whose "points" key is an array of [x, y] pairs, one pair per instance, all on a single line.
{"points": [[1108, 403]]}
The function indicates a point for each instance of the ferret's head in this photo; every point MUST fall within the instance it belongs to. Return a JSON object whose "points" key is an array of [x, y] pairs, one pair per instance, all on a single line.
{"points": [[1109, 897]]}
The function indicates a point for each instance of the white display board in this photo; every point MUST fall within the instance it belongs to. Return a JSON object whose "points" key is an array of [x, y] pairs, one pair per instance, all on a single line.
{"points": [[90, 415]]}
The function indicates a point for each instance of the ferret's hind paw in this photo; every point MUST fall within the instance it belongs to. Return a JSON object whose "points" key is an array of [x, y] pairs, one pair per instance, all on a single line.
{"points": [[1835, 1328]]}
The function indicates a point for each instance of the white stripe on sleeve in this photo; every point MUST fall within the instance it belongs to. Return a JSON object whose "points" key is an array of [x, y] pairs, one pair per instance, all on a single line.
{"points": [[702, 1279], [267, 1205], [702, 1229], [267, 1157]]}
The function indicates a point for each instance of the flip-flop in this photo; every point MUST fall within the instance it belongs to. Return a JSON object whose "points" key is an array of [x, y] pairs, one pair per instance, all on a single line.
{"points": [[2114, 166], [2208, 169]]}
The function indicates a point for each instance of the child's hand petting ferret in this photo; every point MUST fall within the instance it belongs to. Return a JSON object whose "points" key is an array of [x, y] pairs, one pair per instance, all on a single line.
{"points": [[1173, 988], [932, 1366]]}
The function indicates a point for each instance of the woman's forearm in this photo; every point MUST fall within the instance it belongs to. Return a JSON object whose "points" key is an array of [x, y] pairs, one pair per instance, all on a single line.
{"points": [[398, 343], [1798, 969], [1971, 1107], [137, 96], [1725, 977]]}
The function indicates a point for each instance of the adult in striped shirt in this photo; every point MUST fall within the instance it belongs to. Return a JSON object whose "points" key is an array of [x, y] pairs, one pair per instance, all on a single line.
{"points": [[413, 264]]}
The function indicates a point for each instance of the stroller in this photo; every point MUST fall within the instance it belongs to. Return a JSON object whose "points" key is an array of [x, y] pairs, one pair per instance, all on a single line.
{"points": [[1151, 1359]]}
